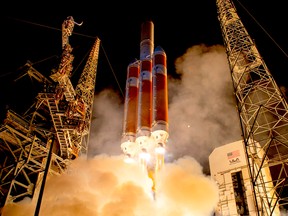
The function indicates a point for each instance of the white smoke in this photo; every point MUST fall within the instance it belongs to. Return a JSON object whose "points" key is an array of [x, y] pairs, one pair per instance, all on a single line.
{"points": [[106, 129], [202, 116], [106, 186], [202, 110]]}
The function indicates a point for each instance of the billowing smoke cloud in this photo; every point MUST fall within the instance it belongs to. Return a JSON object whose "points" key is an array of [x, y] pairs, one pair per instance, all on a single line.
{"points": [[106, 186], [202, 110], [202, 116], [106, 129]]}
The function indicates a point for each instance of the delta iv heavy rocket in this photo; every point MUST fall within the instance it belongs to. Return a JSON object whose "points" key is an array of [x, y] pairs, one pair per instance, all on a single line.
{"points": [[145, 124]]}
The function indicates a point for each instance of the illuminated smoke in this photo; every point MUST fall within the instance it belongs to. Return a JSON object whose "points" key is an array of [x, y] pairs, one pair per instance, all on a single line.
{"points": [[202, 110], [106, 129], [106, 186], [202, 116]]}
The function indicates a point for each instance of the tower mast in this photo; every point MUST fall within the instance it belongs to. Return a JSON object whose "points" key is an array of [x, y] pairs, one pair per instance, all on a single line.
{"points": [[263, 114], [85, 92], [52, 132]]}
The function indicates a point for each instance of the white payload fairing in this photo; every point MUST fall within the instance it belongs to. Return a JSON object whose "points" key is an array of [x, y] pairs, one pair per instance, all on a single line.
{"points": [[145, 124]]}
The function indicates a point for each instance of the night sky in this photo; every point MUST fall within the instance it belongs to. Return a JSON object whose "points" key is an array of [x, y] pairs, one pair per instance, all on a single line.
{"points": [[37, 38]]}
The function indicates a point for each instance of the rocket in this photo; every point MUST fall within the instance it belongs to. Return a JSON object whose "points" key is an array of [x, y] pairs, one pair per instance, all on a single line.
{"points": [[145, 122]]}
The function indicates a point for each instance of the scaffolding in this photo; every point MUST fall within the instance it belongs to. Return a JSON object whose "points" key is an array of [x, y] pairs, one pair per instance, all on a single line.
{"points": [[52, 132], [263, 113]]}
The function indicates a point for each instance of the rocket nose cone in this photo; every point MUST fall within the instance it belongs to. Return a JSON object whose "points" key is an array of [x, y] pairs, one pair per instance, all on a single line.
{"points": [[133, 62], [159, 49]]}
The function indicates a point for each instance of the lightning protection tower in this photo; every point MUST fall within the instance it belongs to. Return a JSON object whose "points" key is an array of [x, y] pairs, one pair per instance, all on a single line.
{"points": [[263, 114]]}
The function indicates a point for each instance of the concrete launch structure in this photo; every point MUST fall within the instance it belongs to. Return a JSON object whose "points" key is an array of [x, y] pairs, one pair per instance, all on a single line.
{"points": [[145, 124]]}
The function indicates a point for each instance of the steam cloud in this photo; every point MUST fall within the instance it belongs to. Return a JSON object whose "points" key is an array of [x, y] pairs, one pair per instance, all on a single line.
{"points": [[202, 112], [202, 116]]}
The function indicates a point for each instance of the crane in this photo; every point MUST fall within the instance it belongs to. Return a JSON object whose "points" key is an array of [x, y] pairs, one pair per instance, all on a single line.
{"points": [[263, 114], [53, 131]]}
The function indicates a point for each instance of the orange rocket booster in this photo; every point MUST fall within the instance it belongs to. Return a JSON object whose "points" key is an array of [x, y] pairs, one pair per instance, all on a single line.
{"points": [[130, 110], [160, 90], [131, 99], [160, 97]]}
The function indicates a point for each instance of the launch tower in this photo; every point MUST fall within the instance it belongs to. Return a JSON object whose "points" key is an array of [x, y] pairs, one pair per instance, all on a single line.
{"points": [[55, 129], [263, 114]]}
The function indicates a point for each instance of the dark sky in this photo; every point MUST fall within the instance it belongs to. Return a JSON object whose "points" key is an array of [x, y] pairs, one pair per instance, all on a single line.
{"points": [[37, 38]]}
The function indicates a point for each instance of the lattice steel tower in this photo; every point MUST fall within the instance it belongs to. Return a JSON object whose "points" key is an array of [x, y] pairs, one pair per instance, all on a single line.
{"points": [[55, 129], [263, 113]]}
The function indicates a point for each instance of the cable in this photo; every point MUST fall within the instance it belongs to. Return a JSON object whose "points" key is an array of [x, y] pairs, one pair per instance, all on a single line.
{"points": [[49, 27], [74, 33], [112, 71], [263, 29]]}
